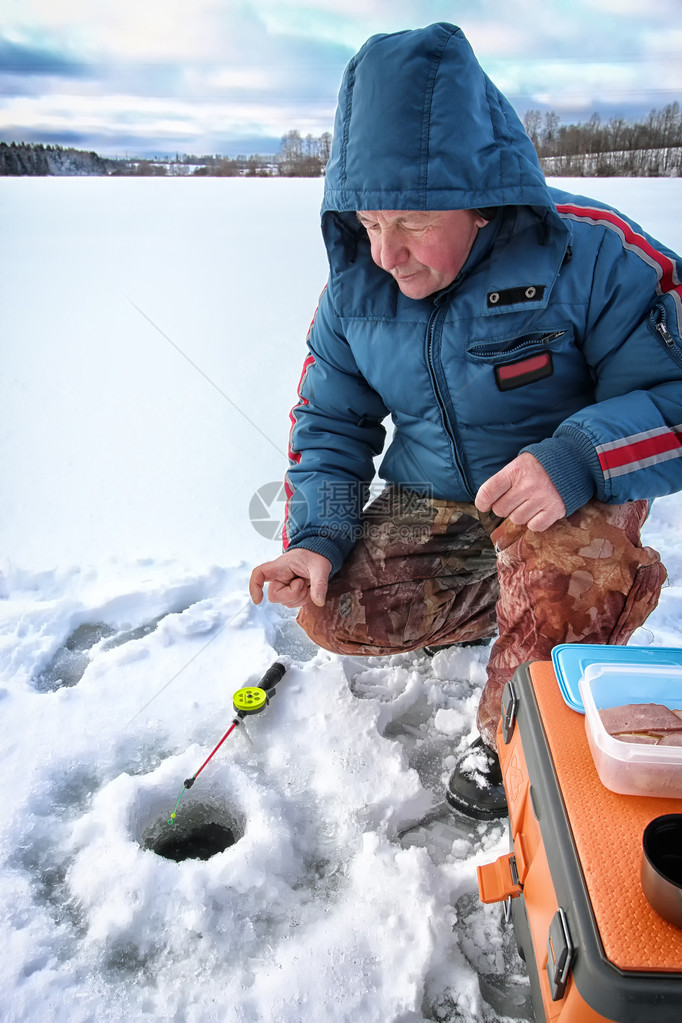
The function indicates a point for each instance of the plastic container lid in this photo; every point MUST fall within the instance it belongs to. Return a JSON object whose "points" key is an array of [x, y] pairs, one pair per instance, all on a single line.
{"points": [[571, 660]]}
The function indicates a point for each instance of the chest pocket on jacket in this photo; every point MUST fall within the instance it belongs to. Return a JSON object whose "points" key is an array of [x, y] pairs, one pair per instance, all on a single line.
{"points": [[519, 361]]}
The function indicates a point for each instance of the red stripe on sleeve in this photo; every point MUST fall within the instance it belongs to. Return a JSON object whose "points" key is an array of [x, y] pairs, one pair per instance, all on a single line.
{"points": [[648, 448], [295, 456], [668, 271], [285, 524]]}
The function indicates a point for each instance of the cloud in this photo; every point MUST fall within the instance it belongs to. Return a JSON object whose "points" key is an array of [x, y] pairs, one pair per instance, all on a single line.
{"points": [[656, 10], [245, 82], [24, 58], [152, 124]]}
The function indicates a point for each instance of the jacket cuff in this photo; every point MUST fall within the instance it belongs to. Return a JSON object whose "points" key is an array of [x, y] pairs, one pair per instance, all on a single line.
{"points": [[568, 466], [324, 546]]}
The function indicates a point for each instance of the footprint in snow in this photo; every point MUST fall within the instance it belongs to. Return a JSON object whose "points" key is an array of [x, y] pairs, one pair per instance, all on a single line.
{"points": [[68, 665]]}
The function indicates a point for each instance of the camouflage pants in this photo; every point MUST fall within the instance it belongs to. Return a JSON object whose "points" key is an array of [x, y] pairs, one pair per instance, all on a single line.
{"points": [[429, 571]]}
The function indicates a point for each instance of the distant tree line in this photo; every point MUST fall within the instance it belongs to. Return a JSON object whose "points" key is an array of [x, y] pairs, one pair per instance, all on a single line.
{"points": [[297, 157], [20, 158], [650, 148], [300, 157]]}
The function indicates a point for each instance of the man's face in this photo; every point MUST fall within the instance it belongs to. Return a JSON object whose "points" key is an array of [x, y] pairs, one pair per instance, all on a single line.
{"points": [[422, 250]]}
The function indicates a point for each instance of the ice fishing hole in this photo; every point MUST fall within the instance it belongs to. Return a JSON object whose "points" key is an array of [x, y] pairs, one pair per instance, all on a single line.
{"points": [[199, 832]]}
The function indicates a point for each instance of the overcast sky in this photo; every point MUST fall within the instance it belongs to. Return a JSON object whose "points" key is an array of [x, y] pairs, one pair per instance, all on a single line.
{"points": [[232, 76]]}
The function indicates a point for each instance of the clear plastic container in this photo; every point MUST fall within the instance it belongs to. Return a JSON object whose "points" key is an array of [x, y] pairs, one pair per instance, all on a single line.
{"points": [[632, 769]]}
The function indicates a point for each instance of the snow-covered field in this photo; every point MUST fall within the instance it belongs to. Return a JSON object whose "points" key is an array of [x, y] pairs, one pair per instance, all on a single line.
{"points": [[152, 338]]}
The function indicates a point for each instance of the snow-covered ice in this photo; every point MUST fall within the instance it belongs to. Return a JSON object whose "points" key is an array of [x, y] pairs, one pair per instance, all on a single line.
{"points": [[152, 341]]}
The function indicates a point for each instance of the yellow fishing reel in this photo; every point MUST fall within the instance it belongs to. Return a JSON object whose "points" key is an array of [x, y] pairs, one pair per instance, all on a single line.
{"points": [[250, 700], [254, 699]]}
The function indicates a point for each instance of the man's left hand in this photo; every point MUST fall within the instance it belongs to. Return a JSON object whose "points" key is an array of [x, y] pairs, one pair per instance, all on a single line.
{"points": [[524, 493]]}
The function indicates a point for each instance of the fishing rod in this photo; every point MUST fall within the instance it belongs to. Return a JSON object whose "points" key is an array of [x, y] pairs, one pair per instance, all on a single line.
{"points": [[246, 701]]}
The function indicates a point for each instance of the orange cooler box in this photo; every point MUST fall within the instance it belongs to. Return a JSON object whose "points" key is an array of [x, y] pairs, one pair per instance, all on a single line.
{"points": [[594, 947]]}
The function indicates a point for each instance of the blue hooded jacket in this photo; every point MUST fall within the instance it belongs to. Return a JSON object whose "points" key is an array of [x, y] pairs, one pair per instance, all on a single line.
{"points": [[560, 336]]}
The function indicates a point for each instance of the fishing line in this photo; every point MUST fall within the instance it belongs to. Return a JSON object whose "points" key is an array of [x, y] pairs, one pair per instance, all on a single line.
{"points": [[207, 378], [190, 661]]}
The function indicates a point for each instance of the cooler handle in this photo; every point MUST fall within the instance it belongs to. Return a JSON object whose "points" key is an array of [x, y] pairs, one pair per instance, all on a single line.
{"points": [[510, 706], [560, 955], [499, 880]]}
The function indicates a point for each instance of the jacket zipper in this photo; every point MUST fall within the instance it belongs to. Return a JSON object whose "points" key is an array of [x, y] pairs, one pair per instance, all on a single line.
{"points": [[435, 316], [661, 327], [547, 339]]}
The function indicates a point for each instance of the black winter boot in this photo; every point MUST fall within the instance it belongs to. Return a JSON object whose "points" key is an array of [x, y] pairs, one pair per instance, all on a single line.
{"points": [[475, 786]]}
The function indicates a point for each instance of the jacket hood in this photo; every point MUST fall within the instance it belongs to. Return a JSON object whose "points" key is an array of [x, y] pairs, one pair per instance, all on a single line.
{"points": [[420, 126]]}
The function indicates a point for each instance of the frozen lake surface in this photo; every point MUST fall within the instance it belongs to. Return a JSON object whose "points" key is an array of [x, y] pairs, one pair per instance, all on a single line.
{"points": [[153, 336]]}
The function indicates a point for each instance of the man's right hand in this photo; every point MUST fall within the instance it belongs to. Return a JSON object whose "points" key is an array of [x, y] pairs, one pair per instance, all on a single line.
{"points": [[293, 579]]}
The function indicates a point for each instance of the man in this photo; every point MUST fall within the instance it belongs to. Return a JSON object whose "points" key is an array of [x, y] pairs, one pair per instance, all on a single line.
{"points": [[526, 344]]}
